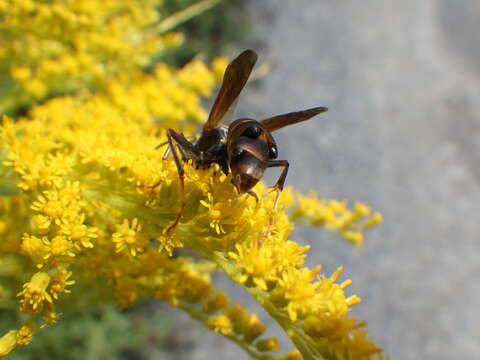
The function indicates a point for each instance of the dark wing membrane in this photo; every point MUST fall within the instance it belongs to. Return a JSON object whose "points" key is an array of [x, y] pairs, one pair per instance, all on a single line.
{"points": [[277, 122], [234, 79]]}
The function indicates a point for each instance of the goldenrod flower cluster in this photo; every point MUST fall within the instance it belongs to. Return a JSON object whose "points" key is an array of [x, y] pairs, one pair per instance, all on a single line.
{"points": [[78, 226], [58, 46]]}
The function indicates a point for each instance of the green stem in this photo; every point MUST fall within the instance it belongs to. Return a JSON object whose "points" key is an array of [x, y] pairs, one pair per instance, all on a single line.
{"points": [[202, 318], [184, 15]]}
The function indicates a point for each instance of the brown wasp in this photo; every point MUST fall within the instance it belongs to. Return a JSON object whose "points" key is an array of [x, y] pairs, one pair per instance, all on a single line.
{"points": [[245, 148]]}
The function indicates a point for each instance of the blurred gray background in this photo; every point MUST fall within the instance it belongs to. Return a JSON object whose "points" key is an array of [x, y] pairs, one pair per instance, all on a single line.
{"points": [[402, 81]]}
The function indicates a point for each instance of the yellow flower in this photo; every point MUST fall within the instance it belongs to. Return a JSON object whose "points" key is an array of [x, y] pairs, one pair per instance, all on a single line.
{"points": [[221, 324], [297, 290], [256, 264], [214, 213], [270, 344], [59, 282], [8, 342], [217, 302], [128, 237], [253, 329], [25, 334], [374, 220], [60, 246], [335, 216], [198, 77], [218, 66], [35, 248], [74, 45], [41, 223], [34, 294], [78, 232], [52, 208], [20, 72], [293, 355]]}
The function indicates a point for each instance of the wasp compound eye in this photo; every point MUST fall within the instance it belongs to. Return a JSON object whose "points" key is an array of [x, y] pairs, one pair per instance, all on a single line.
{"points": [[252, 132], [272, 152]]}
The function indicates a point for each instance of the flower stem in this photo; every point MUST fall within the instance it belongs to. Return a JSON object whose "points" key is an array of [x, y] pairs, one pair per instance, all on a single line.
{"points": [[186, 14], [202, 318]]}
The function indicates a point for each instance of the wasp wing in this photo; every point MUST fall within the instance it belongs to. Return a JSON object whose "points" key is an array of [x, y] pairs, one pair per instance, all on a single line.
{"points": [[234, 79], [277, 122]]}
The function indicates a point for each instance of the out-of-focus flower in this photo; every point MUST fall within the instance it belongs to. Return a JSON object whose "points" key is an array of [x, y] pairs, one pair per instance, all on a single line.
{"points": [[58, 46]]}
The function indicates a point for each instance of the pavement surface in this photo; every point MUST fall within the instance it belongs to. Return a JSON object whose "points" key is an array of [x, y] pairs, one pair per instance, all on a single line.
{"points": [[402, 81]]}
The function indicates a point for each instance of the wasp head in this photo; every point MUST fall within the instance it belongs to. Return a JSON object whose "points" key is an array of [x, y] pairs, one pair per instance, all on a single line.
{"points": [[246, 169]]}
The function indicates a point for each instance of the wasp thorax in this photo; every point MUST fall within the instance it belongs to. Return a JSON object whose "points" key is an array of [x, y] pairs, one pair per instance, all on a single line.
{"points": [[211, 148], [211, 139]]}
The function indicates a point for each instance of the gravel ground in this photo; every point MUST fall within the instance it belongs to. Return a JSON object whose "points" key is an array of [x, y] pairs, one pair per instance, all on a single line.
{"points": [[401, 79]]}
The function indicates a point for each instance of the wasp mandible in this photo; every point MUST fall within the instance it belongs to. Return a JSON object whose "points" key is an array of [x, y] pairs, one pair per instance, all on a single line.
{"points": [[245, 148]]}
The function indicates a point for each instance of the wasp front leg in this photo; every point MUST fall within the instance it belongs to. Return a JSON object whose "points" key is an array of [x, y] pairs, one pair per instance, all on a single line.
{"points": [[186, 147], [188, 139], [278, 187], [180, 140]]}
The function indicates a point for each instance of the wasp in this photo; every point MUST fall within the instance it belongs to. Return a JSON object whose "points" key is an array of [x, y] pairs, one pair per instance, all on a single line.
{"points": [[245, 147]]}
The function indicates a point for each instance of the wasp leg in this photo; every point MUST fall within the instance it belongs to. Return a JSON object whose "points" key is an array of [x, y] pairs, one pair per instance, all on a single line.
{"points": [[166, 153], [252, 194], [189, 138], [151, 187], [164, 157], [278, 187], [182, 142], [186, 147], [161, 145]]}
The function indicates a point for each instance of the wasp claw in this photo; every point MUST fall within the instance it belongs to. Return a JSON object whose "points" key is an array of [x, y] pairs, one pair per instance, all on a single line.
{"points": [[252, 193], [167, 230], [151, 187]]}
